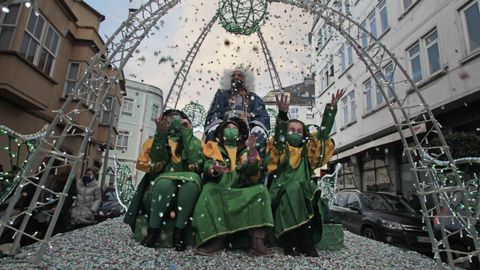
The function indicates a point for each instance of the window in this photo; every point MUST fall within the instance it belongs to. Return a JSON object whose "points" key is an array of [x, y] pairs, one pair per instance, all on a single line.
{"points": [[341, 53], [122, 140], [294, 112], [382, 7], [40, 43], [127, 106], [433, 53], [347, 8], [378, 90], [345, 111], [351, 97], [346, 177], [425, 54], [364, 35], [341, 199], [324, 35], [327, 76], [375, 172], [349, 55], [348, 108], [7, 26], [471, 16], [353, 201], [408, 3], [107, 110], [388, 72], [72, 78], [373, 24], [155, 109], [310, 116], [368, 95], [415, 62]]}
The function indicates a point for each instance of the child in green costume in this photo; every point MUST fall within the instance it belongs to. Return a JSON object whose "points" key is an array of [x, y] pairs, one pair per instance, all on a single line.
{"points": [[232, 200], [292, 155], [173, 159]]}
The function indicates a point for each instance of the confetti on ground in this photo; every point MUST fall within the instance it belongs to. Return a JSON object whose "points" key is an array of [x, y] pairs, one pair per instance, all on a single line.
{"points": [[109, 245]]}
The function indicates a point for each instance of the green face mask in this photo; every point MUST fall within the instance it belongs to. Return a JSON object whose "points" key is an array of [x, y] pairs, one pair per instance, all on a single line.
{"points": [[175, 126], [230, 136], [294, 139]]}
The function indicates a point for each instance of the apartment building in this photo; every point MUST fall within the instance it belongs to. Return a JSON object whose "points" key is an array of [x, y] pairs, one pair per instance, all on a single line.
{"points": [[437, 42], [302, 97], [142, 104], [44, 50]]}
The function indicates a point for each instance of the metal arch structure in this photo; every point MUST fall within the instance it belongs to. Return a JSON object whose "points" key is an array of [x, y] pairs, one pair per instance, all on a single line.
{"points": [[105, 69], [176, 89], [375, 56], [272, 70], [173, 95], [103, 72]]}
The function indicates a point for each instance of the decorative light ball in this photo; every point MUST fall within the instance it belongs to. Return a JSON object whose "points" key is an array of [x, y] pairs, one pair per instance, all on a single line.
{"points": [[196, 113], [242, 17]]}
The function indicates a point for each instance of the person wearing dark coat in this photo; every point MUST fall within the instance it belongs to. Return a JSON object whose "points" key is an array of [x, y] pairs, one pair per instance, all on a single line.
{"points": [[239, 100]]}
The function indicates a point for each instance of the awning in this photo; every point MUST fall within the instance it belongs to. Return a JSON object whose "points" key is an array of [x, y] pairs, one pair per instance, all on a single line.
{"points": [[417, 129]]}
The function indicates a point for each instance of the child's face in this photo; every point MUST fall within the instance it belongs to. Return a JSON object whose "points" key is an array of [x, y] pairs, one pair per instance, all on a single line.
{"points": [[295, 127], [230, 125]]}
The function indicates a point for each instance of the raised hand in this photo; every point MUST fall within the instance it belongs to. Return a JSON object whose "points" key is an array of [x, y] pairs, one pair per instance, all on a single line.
{"points": [[217, 169], [283, 101], [162, 123], [337, 96]]}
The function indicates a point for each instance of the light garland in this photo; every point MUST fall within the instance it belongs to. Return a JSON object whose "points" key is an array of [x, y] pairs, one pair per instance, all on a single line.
{"points": [[196, 113], [441, 169], [124, 187], [4, 130], [242, 17], [328, 184], [19, 142]]}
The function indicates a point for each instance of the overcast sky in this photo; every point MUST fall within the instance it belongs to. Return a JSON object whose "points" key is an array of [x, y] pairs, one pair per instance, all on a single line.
{"points": [[286, 33]]}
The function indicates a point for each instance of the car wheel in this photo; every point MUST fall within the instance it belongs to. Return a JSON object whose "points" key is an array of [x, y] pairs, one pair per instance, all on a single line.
{"points": [[369, 232]]}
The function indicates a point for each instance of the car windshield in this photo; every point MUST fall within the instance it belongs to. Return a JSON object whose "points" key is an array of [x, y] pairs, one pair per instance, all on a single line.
{"points": [[386, 203]]}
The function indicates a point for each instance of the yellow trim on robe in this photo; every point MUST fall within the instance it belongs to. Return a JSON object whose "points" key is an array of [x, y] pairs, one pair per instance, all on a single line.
{"points": [[276, 156], [144, 163], [319, 152], [173, 146], [232, 155], [210, 150], [295, 156]]}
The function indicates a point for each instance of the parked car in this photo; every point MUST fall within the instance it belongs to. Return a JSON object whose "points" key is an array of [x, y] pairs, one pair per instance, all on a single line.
{"points": [[110, 207], [382, 217]]}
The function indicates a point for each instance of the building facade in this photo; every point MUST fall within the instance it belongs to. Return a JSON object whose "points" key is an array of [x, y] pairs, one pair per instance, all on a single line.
{"points": [[437, 42], [43, 53], [301, 102], [140, 107]]}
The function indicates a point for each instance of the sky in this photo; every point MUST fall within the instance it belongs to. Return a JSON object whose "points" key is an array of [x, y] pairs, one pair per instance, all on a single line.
{"points": [[285, 31]]}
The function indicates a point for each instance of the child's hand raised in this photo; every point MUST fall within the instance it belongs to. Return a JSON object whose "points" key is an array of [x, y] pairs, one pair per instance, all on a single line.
{"points": [[162, 123], [337, 96], [217, 169], [283, 101]]}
